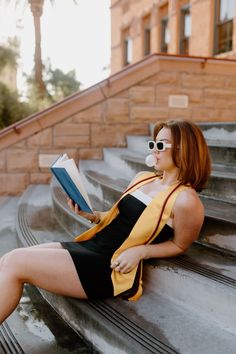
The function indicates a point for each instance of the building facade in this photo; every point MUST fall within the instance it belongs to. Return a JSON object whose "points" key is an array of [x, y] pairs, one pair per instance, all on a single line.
{"points": [[184, 27]]}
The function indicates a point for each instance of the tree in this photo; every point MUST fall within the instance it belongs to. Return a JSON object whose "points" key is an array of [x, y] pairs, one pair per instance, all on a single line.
{"points": [[36, 7], [58, 86], [7, 57], [11, 109]]}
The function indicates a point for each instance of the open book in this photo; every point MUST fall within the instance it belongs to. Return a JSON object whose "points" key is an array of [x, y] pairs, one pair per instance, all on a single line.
{"points": [[67, 174]]}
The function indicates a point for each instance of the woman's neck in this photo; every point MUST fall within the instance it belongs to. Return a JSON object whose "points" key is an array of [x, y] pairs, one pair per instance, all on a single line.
{"points": [[168, 179]]}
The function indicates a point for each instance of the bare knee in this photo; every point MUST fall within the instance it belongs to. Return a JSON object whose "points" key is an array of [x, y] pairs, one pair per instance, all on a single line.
{"points": [[12, 262]]}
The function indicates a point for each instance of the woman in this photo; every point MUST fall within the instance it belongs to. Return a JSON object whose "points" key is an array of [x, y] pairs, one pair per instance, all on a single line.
{"points": [[157, 216]]}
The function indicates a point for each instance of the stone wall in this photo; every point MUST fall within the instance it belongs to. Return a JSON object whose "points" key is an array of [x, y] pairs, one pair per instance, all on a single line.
{"points": [[83, 135]]}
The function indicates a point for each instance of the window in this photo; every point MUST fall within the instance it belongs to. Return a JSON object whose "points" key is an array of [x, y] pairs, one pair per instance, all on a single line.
{"points": [[147, 35], [127, 48], [165, 35], [225, 10], [185, 29]]}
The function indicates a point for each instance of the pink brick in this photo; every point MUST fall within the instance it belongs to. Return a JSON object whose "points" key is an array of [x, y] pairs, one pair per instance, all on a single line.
{"points": [[43, 138], [40, 178], [22, 160], [91, 154], [142, 95], [71, 141], [117, 110], [71, 129], [13, 183], [231, 82], [3, 160], [163, 78], [148, 114], [202, 81], [115, 134], [93, 114]]}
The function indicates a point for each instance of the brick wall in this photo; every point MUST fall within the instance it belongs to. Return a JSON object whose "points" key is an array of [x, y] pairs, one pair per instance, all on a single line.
{"points": [[82, 135]]}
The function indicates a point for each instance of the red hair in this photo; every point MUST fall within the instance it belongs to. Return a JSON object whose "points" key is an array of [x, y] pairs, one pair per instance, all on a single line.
{"points": [[189, 152]]}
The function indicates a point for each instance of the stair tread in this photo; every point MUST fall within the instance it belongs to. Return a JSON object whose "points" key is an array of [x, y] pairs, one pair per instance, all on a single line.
{"points": [[213, 207], [159, 324], [25, 331], [216, 263]]}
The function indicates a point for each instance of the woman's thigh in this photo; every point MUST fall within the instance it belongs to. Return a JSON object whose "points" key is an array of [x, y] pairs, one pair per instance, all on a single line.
{"points": [[54, 245], [49, 269]]}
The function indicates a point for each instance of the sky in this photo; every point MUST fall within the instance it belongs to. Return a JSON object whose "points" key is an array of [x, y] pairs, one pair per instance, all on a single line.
{"points": [[73, 37]]}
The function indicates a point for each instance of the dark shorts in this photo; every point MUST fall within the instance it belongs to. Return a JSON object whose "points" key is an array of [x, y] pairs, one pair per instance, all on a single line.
{"points": [[93, 270]]}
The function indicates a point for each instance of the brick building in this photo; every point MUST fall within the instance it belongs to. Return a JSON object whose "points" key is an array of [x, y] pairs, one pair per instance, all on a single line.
{"points": [[185, 27]]}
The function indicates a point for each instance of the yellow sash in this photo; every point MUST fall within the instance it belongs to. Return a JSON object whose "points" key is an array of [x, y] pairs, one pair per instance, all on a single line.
{"points": [[147, 227]]}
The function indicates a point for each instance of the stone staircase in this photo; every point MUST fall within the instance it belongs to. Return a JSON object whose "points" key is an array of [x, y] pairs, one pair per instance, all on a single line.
{"points": [[188, 305]]}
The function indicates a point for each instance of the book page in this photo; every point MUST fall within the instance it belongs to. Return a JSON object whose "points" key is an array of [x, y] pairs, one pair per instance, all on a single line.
{"points": [[72, 170]]}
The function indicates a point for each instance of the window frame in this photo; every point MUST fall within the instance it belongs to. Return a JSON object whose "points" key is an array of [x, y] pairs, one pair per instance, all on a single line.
{"points": [[217, 24], [126, 42], [186, 9], [164, 25], [147, 35]]}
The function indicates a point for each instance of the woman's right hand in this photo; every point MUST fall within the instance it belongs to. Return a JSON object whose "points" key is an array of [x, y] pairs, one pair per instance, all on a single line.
{"points": [[75, 208]]}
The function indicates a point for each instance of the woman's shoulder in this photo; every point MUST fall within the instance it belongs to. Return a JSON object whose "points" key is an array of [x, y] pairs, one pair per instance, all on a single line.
{"points": [[188, 200]]}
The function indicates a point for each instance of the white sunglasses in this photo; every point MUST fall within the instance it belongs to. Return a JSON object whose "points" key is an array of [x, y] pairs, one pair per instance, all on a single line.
{"points": [[158, 145]]}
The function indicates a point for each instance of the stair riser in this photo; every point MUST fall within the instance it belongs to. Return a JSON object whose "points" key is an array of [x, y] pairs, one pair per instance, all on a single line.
{"points": [[218, 234], [116, 161], [223, 155], [101, 333], [224, 131], [107, 196], [210, 299], [214, 232], [69, 224], [221, 188], [218, 187], [139, 145]]}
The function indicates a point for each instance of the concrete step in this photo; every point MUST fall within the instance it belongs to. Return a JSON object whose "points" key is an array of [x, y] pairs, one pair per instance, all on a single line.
{"points": [[219, 230], [221, 143], [152, 324], [219, 131], [221, 185], [199, 254], [34, 328]]}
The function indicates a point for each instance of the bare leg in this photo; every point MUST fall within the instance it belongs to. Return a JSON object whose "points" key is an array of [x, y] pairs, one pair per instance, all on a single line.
{"points": [[47, 245], [49, 269]]}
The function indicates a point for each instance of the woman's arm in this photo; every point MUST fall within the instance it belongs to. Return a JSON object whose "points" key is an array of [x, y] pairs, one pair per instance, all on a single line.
{"points": [[188, 216], [96, 217]]}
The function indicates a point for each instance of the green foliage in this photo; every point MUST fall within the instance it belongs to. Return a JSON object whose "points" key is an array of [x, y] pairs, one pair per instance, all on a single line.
{"points": [[11, 109], [60, 85], [7, 57]]}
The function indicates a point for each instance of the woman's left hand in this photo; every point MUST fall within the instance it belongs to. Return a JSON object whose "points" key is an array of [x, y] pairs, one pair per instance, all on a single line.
{"points": [[128, 259]]}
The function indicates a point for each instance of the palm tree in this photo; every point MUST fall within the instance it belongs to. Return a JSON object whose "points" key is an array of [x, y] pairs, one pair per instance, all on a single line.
{"points": [[36, 7]]}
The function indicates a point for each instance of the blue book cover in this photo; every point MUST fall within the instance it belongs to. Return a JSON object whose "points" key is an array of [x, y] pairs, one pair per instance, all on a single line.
{"points": [[70, 188]]}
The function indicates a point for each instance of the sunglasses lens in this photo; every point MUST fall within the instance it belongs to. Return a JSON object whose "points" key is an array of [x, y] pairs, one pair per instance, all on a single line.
{"points": [[160, 146], [151, 145]]}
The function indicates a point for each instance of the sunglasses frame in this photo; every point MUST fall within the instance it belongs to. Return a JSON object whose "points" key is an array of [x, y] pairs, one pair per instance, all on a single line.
{"points": [[155, 148]]}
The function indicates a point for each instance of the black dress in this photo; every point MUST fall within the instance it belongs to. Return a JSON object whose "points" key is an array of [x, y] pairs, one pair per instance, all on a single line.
{"points": [[92, 258]]}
